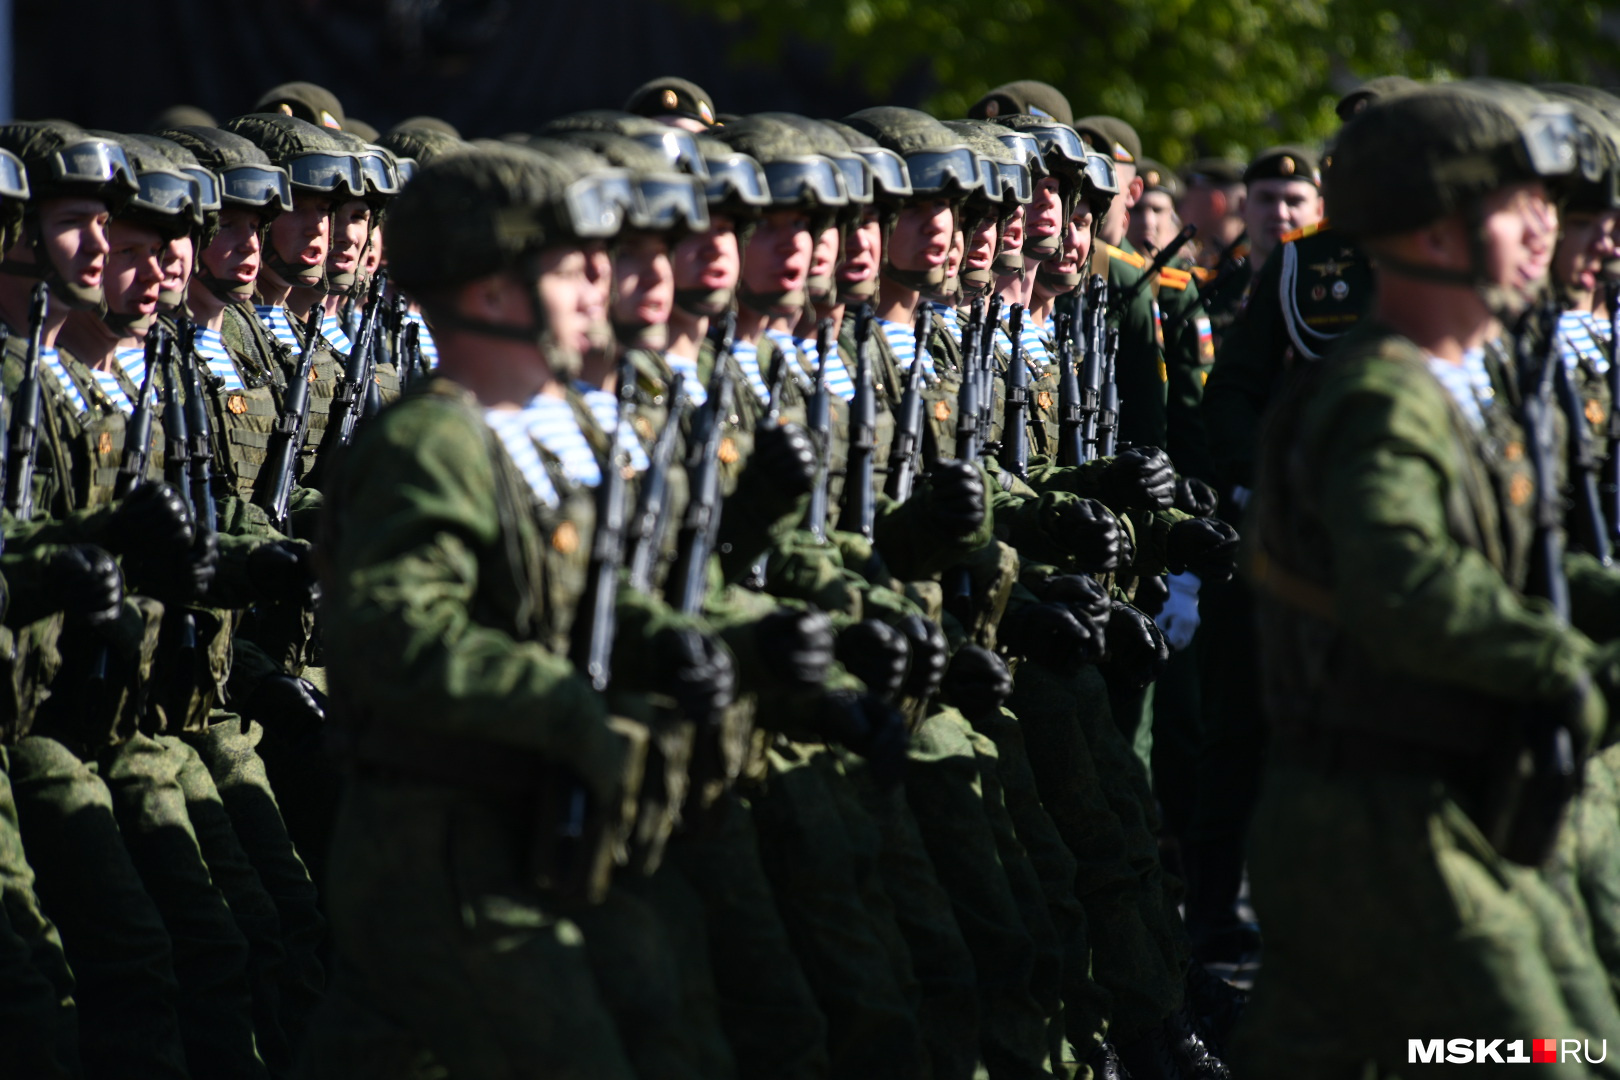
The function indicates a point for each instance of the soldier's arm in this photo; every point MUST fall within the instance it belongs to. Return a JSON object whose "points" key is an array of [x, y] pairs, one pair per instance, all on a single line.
{"points": [[1241, 382]]}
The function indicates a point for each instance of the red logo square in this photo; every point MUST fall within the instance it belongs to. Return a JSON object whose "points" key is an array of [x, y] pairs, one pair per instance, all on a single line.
{"points": [[1544, 1050]]}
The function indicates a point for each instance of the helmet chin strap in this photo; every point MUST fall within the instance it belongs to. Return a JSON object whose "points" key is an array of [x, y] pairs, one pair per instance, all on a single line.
{"points": [[853, 293], [703, 303], [923, 281], [776, 303], [1505, 303], [641, 335]]}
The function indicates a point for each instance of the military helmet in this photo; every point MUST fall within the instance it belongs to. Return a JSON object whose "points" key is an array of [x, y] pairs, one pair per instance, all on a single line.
{"points": [[356, 126], [1410, 160], [209, 194], [1028, 97], [415, 147], [315, 161], [426, 123], [859, 183], [937, 161], [795, 175], [166, 200], [662, 199], [891, 182], [1371, 90], [1594, 186], [736, 184], [304, 100], [64, 161], [677, 145], [13, 199], [1007, 179], [378, 166], [246, 176], [181, 116]]}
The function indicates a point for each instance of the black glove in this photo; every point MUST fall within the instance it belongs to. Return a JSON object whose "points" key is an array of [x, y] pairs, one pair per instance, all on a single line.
{"points": [[977, 683], [150, 526], [929, 654], [1140, 478], [955, 496], [1137, 653], [1195, 497], [282, 571], [1151, 593], [695, 671], [1085, 596], [785, 456], [796, 646], [1049, 634], [184, 579], [869, 728], [1205, 546], [875, 653], [1093, 537], [85, 582], [284, 700]]}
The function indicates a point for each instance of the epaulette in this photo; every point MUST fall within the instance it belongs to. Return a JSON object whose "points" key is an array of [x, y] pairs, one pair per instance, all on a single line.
{"points": [[1171, 278], [1130, 258], [1302, 232], [1204, 274]]}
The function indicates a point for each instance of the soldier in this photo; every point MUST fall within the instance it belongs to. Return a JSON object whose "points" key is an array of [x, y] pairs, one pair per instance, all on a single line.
{"points": [[673, 101], [1154, 222], [1442, 666], [1213, 204], [1283, 197]]}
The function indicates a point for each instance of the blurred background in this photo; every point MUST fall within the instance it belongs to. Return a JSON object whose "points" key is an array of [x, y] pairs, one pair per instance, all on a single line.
{"points": [[1195, 77]]}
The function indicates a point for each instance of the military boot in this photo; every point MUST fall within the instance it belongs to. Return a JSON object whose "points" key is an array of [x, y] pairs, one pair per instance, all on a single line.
{"points": [[1214, 1005], [1197, 1062]]}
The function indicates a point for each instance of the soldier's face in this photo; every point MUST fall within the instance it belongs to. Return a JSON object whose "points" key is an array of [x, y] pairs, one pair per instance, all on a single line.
{"points": [[1044, 215], [708, 260], [353, 220], [598, 280], [74, 232], [303, 236], [921, 239], [1519, 229], [981, 246], [234, 253], [374, 252], [134, 273], [565, 292], [1587, 241], [779, 252], [644, 282], [863, 253], [178, 258], [825, 255], [1012, 236], [1276, 206], [1153, 222]]}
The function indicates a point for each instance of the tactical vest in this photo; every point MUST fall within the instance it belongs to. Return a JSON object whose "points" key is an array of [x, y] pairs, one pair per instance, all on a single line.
{"points": [[243, 418]]}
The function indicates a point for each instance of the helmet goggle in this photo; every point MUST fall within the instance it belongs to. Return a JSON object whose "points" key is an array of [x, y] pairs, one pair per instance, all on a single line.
{"points": [[13, 176], [935, 171], [381, 175], [597, 204], [1101, 173], [888, 170], [858, 182], [1017, 182], [169, 192], [93, 161], [406, 168], [679, 148], [737, 176], [208, 193], [1061, 147], [1550, 140], [1027, 147], [258, 185], [669, 201], [989, 180], [335, 174], [801, 179]]}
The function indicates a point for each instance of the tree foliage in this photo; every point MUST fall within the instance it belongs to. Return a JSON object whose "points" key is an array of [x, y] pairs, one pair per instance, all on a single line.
{"points": [[1193, 76]]}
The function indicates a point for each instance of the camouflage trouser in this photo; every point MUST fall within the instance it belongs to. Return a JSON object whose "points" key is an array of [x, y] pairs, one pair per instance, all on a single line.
{"points": [[767, 1010], [821, 850], [1086, 1006], [448, 960], [210, 953], [112, 933], [944, 785], [1388, 917], [228, 748], [308, 785], [1080, 760], [1585, 868], [39, 1026]]}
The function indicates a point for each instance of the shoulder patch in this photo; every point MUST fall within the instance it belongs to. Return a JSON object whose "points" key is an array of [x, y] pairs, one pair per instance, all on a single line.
{"points": [[1204, 274], [1129, 257], [1302, 232], [1171, 278]]}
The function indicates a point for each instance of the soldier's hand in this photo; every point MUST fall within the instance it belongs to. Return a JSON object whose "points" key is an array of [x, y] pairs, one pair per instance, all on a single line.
{"points": [[797, 646], [1206, 546], [875, 653], [1151, 594], [696, 671], [1093, 536], [929, 654], [86, 582], [1137, 653], [288, 702], [787, 458], [1049, 634], [1141, 478], [150, 526], [977, 683], [1195, 497], [955, 496], [1085, 597], [1178, 617], [871, 729], [282, 570]]}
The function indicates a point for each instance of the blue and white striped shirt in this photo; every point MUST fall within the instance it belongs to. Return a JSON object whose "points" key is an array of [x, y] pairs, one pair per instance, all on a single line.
{"points": [[551, 423], [1581, 335], [1032, 335], [279, 323], [605, 408], [945, 315], [424, 340], [512, 428], [747, 355], [839, 379], [903, 342], [1468, 383], [333, 330], [51, 361], [210, 347], [691, 386]]}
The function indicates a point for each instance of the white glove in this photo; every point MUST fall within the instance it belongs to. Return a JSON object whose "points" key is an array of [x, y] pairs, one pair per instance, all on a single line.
{"points": [[1240, 496], [1178, 619]]}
